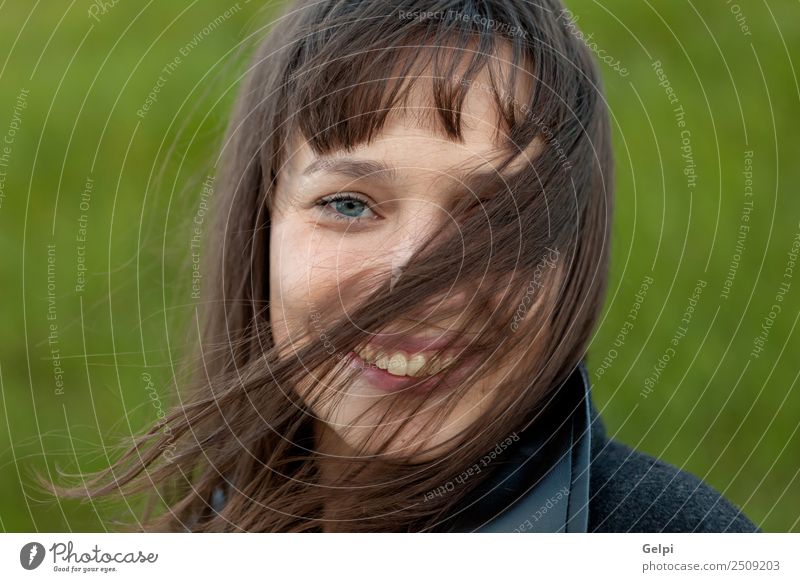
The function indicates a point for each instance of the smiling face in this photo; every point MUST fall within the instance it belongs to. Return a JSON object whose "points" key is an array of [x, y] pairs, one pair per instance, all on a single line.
{"points": [[363, 214]]}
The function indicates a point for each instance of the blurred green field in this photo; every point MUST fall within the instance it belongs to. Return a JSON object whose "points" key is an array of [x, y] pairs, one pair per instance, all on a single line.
{"points": [[92, 179]]}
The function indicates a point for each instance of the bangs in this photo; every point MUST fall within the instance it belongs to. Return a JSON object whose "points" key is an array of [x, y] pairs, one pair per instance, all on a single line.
{"points": [[422, 64]]}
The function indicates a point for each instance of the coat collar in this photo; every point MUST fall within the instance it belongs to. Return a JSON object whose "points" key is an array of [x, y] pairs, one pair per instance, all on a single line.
{"points": [[542, 482]]}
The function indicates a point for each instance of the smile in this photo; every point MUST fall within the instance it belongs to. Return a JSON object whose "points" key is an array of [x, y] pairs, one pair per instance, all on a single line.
{"points": [[403, 364]]}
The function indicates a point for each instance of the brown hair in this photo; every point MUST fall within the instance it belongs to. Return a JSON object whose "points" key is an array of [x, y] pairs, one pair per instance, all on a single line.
{"points": [[323, 73]]}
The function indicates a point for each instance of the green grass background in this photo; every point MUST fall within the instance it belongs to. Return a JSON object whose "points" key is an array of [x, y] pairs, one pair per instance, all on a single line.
{"points": [[716, 410]]}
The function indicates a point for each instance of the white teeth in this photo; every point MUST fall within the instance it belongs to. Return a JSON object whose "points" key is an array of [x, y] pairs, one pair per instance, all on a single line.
{"points": [[398, 365], [415, 364], [382, 362], [402, 364]]}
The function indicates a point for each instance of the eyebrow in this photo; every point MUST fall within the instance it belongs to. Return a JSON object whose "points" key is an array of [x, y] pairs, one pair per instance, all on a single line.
{"points": [[353, 168]]}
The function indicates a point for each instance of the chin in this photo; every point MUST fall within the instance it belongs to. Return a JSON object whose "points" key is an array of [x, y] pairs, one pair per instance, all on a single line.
{"points": [[362, 433]]}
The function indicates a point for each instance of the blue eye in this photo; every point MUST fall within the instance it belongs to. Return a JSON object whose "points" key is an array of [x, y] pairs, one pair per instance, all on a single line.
{"points": [[347, 206]]}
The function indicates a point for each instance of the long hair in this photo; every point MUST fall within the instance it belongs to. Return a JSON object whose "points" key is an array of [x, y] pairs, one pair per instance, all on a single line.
{"points": [[526, 244]]}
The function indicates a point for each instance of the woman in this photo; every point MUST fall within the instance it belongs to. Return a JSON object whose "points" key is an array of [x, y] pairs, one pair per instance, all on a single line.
{"points": [[413, 215]]}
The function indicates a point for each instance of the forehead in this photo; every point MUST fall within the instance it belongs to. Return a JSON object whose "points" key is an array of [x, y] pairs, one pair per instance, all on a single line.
{"points": [[401, 151]]}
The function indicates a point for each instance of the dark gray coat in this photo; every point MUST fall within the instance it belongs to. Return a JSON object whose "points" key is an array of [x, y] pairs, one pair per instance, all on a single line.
{"points": [[566, 475]]}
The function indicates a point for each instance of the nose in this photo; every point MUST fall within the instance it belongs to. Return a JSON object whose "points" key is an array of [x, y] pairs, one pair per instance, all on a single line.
{"points": [[411, 231], [410, 234]]}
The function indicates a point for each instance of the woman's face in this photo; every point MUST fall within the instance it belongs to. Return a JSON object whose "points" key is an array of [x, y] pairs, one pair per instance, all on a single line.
{"points": [[363, 214]]}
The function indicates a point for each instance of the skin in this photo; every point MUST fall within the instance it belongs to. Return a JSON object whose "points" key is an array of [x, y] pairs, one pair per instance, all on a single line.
{"points": [[314, 244]]}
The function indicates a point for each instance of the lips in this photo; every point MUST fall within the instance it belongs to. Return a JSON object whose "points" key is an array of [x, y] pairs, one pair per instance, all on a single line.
{"points": [[411, 364]]}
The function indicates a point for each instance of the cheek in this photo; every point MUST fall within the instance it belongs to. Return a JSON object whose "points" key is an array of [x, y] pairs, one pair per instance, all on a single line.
{"points": [[306, 267], [288, 289]]}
